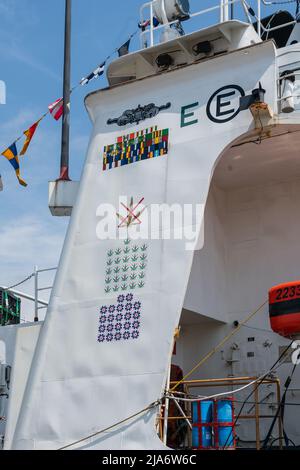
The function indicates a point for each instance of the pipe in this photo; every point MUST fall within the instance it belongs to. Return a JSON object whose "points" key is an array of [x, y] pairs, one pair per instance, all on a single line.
{"points": [[24, 296], [65, 137]]}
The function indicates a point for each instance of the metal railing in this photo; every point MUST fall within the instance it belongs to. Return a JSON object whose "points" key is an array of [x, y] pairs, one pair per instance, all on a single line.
{"points": [[38, 289], [228, 382], [225, 12], [39, 304]]}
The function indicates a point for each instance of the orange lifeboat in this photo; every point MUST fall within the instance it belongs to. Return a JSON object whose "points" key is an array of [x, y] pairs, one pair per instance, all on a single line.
{"points": [[284, 309]]}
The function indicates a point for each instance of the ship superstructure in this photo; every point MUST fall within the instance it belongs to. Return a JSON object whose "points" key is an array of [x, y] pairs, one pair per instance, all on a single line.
{"points": [[185, 217]]}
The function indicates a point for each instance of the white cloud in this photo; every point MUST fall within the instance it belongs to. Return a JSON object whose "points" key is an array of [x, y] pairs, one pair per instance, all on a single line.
{"points": [[25, 242], [23, 239]]}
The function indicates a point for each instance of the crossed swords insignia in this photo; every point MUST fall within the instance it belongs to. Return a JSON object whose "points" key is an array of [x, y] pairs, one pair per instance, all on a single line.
{"points": [[134, 211]]}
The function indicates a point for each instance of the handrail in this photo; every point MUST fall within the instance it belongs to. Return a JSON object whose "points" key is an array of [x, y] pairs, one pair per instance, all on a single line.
{"points": [[38, 289], [222, 7], [25, 296], [219, 7]]}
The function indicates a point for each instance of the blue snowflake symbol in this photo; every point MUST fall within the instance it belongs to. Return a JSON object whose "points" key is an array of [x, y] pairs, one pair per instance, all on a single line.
{"points": [[118, 336], [126, 335], [127, 316], [102, 328], [112, 308], [119, 317], [128, 307], [137, 305], [102, 319], [110, 327], [129, 297], [135, 334], [120, 308], [136, 325], [101, 338], [118, 326], [103, 310], [127, 325], [111, 318], [121, 298], [136, 315], [109, 337]]}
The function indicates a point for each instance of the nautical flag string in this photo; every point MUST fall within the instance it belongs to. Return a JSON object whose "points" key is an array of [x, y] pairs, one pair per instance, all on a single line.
{"points": [[11, 153], [124, 49], [29, 133], [56, 110], [144, 24], [95, 74]]}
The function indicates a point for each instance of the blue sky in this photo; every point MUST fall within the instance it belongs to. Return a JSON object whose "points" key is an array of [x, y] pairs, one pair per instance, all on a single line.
{"points": [[31, 54]]}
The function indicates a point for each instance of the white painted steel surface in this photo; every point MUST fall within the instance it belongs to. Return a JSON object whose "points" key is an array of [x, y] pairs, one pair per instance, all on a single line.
{"points": [[77, 385]]}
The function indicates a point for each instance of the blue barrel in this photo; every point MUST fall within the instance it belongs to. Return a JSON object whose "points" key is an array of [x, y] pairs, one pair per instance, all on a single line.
{"points": [[225, 415], [202, 414]]}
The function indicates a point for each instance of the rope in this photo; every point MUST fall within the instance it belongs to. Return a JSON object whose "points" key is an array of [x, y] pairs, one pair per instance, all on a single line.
{"points": [[230, 392], [209, 397], [152, 405], [19, 283], [218, 346]]}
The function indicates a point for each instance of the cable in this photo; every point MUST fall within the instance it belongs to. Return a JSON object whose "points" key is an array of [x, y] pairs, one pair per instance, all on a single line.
{"points": [[267, 403], [152, 405], [278, 438], [254, 390], [217, 347], [231, 392], [280, 411]]}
